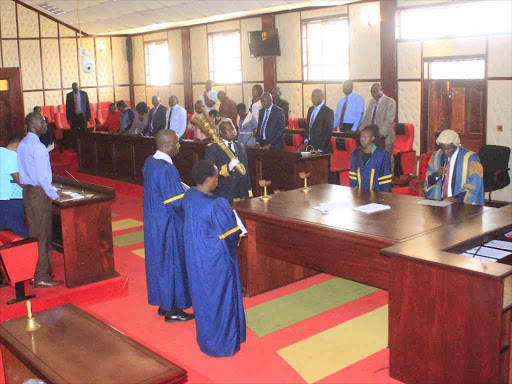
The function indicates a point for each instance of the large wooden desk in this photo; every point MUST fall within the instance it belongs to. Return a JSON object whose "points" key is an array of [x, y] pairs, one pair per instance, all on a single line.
{"points": [[122, 157], [449, 315], [82, 232], [74, 347]]}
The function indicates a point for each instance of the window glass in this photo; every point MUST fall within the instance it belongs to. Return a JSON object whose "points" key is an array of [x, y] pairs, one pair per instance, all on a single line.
{"points": [[224, 57], [156, 57]]}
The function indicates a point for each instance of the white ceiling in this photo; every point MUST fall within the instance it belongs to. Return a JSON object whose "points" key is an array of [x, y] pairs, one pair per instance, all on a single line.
{"points": [[136, 16]]}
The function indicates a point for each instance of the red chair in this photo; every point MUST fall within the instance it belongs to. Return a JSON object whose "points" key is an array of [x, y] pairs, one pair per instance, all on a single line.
{"points": [[405, 156], [292, 142], [290, 123], [102, 116], [18, 260], [342, 149], [295, 123], [301, 123], [415, 187], [61, 108], [128, 103], [189, 116], [104, 105], [48, 111], [61, 125]]}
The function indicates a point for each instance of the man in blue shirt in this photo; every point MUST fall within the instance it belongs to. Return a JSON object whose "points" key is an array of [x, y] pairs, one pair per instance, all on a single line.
{"points": [[176, 117], [349, 112], [36, 178], [78, 112]]}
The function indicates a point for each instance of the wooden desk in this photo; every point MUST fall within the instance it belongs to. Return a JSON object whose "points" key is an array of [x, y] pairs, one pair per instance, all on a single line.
{"points": [[288, 239], [122, 157], [82, 232], [74, 347]]}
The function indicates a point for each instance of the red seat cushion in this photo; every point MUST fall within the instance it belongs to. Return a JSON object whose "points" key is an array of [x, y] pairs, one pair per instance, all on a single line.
{"points": [[19, 260]]}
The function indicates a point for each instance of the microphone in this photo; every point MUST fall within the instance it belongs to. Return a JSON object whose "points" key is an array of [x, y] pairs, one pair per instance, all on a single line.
{"points": [[74, 178], [444, 165]]}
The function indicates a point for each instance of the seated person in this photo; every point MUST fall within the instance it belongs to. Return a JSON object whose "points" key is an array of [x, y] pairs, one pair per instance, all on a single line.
{"points": [[370, 167], [47, 139], [113, 123], [454, 173], [215, 116], [211, 240], [247, 125], [127, 116], [12, 211], [141, 119], [199, 136]]}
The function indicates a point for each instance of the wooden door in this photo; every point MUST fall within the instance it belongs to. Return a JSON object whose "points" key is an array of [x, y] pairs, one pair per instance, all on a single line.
{"points": [[11, 105], [455, 104]]}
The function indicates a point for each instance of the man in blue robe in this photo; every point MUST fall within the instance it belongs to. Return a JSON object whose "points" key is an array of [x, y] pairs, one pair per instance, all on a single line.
{"points": [[370, 167], [166, 274], [212, 237], [454, 173]]}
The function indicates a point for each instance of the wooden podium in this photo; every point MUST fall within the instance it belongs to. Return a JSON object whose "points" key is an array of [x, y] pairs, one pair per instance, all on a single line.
{"points": [[82, 232]]}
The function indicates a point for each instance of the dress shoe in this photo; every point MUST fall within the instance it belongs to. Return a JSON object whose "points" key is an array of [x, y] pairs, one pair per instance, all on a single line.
{"points": [[178, 315], [47, 284], [162, 312]]}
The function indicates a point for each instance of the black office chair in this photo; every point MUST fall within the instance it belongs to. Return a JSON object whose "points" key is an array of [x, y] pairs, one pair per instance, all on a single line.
{"points": [[495, 160]]}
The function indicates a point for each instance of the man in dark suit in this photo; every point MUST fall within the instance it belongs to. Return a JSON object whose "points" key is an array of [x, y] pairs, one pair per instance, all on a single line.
{"points": [[281, 103], [231, 183], [270, 124], [157, 117], [78, 112], [319, 123]]}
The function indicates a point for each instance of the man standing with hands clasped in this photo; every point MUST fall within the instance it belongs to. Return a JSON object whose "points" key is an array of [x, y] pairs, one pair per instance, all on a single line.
{"points": [[35, 174]]}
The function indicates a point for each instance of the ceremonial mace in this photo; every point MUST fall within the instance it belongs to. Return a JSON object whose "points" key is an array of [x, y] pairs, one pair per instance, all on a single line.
{"points": [[32, 324], [265, 184], [304, 176], [204, 123]]}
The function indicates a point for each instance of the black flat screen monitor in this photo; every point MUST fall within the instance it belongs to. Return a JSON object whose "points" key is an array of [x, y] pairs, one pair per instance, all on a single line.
{"points": [[264, 43]]}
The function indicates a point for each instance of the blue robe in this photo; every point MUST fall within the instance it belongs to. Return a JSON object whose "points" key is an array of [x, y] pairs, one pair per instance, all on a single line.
{"points": [[467, 180], [166, 273], [211, 241], [375, 175]]}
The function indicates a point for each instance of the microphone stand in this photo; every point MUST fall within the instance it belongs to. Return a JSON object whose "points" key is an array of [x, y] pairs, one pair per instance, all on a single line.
{"points": [[74, 178]]}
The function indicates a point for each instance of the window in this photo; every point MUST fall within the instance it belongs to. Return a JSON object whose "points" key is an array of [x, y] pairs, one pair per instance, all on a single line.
{"points": [[468, 19], [156, 58], [325, 53], [224, 57], [456, 69]]}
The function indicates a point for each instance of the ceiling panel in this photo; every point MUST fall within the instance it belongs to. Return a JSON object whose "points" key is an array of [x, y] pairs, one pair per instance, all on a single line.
{"points": [[135, 16]]}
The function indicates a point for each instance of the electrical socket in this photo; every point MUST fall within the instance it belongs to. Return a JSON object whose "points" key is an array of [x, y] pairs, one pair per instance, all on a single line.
{"points": [[499, 128]]}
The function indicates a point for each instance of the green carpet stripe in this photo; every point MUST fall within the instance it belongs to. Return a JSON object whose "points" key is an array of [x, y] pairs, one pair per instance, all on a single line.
{"points": [[115, 214], [331, 351], [280, 313], [129, 239], [140, 253]]}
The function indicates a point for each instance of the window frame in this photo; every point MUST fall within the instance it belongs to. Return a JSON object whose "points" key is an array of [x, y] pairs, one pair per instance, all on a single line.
{"points": [[147, 66], [305, 70], [211, 55]]}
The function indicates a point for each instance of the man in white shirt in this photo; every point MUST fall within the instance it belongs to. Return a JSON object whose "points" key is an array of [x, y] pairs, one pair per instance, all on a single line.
{"points": [[176, 117], [209, 97]]}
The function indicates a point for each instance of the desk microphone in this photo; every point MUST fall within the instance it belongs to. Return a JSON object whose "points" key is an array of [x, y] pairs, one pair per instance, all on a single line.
{"points": [[74, 178], [444, 165]]}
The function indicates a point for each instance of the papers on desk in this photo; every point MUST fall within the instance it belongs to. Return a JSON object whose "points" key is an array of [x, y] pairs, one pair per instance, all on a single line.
{"points": [[483, 258], [500, 244], [371, 208], [435, 203], [489, 252], [325, 208], [72, 196], [240, 224]]}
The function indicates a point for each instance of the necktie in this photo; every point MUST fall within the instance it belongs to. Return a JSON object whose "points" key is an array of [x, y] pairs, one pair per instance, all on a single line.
{"points": [[169, 122], [446, 181], [374, 114], [343, 110], [264, 125], [232, 147], [77, 105], [313, 117]]}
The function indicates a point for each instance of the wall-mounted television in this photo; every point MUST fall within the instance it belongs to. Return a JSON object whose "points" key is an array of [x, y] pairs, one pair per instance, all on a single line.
{"points": [[264, 43]]}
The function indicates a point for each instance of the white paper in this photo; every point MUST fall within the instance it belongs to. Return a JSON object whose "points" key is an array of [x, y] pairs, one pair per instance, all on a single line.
{"points": [[51, 147], [327, 207], [505, 245], [371, 208], [240, 224], [483, 258], [489, 252], [435, 203], [185, 186]]}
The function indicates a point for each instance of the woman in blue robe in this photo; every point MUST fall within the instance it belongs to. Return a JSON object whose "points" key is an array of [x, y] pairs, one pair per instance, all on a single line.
{"points": [[211, 242], [166, 273], [370, 167]]}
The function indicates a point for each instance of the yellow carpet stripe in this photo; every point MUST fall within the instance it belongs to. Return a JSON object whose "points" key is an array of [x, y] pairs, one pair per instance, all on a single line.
{"points": [[119, 225], [140, 252], [335, 349]]}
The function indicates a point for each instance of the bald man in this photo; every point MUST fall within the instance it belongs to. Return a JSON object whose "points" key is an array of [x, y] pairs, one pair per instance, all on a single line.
{"points": [[157, 117], [270, 124], [209, 97], [454, 173], [166, 275], [319, 123], [381, 112]]}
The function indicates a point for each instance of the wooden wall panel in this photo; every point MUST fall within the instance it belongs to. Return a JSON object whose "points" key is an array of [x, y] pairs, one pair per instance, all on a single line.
{"points": [[175, 56], [106, 94], [10, 53], [122, 93], [31, 75], [104, 61], [51, 63], [87, 79], [119, 61], [49, 27], [139, 76], [252, 68], [8, 20], [199, 53], [28, 23], [68, 60]]}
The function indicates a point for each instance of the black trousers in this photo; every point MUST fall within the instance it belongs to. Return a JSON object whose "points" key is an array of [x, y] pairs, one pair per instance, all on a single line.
{"points": [[345, 127], [78, 125]]}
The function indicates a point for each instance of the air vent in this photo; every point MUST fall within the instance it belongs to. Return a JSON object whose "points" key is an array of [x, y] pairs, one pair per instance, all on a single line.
{"points": [[52, 8]]}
